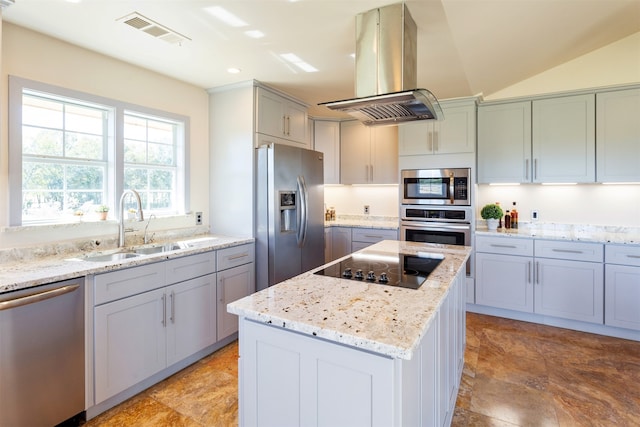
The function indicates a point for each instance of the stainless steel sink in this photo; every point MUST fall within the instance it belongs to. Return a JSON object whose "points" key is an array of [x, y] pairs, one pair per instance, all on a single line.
{"points": [[157, 249], [111, 257]]}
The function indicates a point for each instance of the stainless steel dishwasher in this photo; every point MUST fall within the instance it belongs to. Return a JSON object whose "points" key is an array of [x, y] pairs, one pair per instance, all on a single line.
{"points": [[42, 354]]}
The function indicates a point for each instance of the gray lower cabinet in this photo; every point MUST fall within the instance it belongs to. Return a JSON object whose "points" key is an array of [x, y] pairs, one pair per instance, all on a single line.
{"points": [[235, 280], [150, 317], [622, 286], [363, 237], [547, 277]]}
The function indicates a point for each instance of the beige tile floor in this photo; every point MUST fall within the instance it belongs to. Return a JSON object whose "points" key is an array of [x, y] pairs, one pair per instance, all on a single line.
{"points": [[515, 374]]}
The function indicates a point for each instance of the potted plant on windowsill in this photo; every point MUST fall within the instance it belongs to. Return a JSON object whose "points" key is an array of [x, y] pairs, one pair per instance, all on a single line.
{"points": [[102, 211], [492, 213]]}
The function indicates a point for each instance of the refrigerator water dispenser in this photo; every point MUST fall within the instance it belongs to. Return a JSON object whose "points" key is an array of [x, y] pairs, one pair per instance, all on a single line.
{"points": [[288, 211]]}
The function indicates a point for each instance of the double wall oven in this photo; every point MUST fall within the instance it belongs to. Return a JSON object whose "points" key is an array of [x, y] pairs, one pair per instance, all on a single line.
{"points": [[436, 207]]}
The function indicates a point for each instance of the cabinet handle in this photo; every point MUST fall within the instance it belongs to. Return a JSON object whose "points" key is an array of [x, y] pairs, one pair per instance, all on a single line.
{"points": [[495, 245], [526, 169], [284, 125], [537, 272], [234, 257], [164, 310], [567, 251], [172, 296], [529, 272], [288, 125], [535, 169], [371, 172], [222, 289], [373, 237], [634, 256]]}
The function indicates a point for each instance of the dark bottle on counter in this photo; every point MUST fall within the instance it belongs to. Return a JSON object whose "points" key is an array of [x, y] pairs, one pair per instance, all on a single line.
{"points": [[507, 220], [514, 216]]}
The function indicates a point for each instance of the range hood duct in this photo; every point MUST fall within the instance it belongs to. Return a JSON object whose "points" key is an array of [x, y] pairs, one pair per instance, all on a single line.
{"points": [[386, 70]]}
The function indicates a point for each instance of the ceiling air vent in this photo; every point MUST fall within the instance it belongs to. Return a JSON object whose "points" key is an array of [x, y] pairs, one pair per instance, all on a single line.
{"points": [[142, 23]]}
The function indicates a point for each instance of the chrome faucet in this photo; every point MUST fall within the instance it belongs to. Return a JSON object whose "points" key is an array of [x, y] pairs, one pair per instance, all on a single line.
{"points": [[139, 214]]}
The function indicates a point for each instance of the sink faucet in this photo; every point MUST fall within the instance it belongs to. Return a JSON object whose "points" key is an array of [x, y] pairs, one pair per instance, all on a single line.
{"points": [[139, 214]]}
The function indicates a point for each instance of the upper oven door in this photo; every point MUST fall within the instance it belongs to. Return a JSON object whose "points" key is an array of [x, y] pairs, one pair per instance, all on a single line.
{"points": [[436, 186]]}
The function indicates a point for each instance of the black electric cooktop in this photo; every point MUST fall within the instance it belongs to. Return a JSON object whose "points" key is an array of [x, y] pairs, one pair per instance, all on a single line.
{"points": [[404, 271]]}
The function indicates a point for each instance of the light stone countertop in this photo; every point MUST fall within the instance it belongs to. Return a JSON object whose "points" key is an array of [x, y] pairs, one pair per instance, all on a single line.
{"points": [[364, 221], [569, 232], [34, 271], [384, 319]]}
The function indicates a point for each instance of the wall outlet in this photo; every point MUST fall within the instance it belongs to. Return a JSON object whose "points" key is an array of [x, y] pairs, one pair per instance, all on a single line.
{"points": [[534, 215], [366, 209], [198, 218]]}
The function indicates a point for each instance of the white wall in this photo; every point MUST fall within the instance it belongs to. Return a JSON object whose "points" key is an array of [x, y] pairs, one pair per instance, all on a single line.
{"points": [[350, 199], [593, 204], [34, 56]]}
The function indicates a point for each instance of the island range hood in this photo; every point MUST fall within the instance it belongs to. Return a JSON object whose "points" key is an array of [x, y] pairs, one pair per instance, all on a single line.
{"points": [[386, 70]]}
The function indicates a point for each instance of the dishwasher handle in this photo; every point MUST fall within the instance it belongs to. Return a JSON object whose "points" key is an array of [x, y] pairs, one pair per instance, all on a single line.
{"points": [[37, 297]]}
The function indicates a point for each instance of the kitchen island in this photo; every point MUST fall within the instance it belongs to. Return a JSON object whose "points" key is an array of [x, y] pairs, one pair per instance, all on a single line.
{"points": [[319, 350]]}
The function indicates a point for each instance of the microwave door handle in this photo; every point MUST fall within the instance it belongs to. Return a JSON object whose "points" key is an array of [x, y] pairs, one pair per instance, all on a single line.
{"points": [[451, 188]]}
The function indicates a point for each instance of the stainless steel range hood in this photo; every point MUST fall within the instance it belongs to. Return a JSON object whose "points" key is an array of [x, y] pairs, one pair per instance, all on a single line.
{"points": [[386, 70]]}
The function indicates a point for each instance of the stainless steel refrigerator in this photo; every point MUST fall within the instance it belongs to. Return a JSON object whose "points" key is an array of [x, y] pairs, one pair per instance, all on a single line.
{"points": [[289, 213]]}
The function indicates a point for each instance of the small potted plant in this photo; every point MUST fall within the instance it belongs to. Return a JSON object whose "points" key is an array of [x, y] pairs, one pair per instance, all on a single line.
{"points": [[492, 213], [103, 211]]}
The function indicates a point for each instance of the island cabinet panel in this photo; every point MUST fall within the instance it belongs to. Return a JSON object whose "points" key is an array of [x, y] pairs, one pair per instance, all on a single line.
{"points": [[295, 379]]}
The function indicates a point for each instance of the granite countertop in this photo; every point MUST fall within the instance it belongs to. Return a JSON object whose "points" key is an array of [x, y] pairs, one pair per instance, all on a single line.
{"points": [[569, 232], [364, 221], [34, 271], [383, 319]]}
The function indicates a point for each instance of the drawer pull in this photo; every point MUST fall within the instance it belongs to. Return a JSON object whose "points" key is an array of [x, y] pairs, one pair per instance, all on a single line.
{"points": [[503, 246], [634, 256], [567, 251], [373, 237], [235, 257]]}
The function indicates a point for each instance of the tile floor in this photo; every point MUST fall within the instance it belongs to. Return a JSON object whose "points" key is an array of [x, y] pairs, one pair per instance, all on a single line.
{"points": [[515, 374]]}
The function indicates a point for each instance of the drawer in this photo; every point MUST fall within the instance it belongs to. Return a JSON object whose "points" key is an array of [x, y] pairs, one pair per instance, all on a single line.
{"points": [[372, 235], [189, 267], [504, 245], [237, 255], [577, 251], [127, 282], [622, 254]]}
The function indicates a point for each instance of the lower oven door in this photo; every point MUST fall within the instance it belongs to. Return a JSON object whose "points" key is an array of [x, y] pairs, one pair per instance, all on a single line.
{"points": [[437, 232]]}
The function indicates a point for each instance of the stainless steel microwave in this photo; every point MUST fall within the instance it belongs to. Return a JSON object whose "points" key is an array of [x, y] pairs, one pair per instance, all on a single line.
{"points": [[436, 186]]}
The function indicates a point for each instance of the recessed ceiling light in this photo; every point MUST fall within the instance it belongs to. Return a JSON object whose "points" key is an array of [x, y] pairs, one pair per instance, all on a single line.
{"points": [[233, 70], [225, 16], [254, 34], [295, 60]]}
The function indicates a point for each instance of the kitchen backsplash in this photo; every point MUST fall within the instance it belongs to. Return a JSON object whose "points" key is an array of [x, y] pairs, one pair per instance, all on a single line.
{"points": [[351, 199]]}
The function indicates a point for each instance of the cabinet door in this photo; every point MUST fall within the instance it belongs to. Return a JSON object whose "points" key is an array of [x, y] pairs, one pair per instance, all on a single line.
{"points": [[563, 134], [504, 143], [415, 138], [130, 342], [340, 241], [504, 281], [295, 117], [569, 289], [355, 156], [233, 284], [384, 155], [622, 296], [191, 317], [270, 116], [618, 136], [327, 141], [457, 132]]}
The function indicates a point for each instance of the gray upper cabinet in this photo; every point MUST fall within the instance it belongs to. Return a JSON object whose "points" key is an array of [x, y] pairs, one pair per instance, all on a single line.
{"points": [[281, 117], [618, 136], [563, 139], [545, 140], [368, 155], [504, 142], [455, 134]]}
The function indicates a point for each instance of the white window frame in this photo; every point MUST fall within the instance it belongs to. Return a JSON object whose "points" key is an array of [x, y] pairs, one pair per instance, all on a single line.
{"points": [[115, 174]]}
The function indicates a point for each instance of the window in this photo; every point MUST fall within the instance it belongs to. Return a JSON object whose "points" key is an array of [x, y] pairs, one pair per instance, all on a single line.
{"points": [[72, 152]]}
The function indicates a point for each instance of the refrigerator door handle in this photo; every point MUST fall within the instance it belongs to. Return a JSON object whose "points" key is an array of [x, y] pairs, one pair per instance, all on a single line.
{"points": [[304, 211]]}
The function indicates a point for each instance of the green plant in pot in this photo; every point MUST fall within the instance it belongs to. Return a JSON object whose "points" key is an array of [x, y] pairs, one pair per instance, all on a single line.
{"points": [[102, 211], [492, 213]]}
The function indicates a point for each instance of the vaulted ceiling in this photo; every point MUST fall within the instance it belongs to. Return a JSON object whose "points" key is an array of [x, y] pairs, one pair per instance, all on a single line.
{"points": [[465, 47]]}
